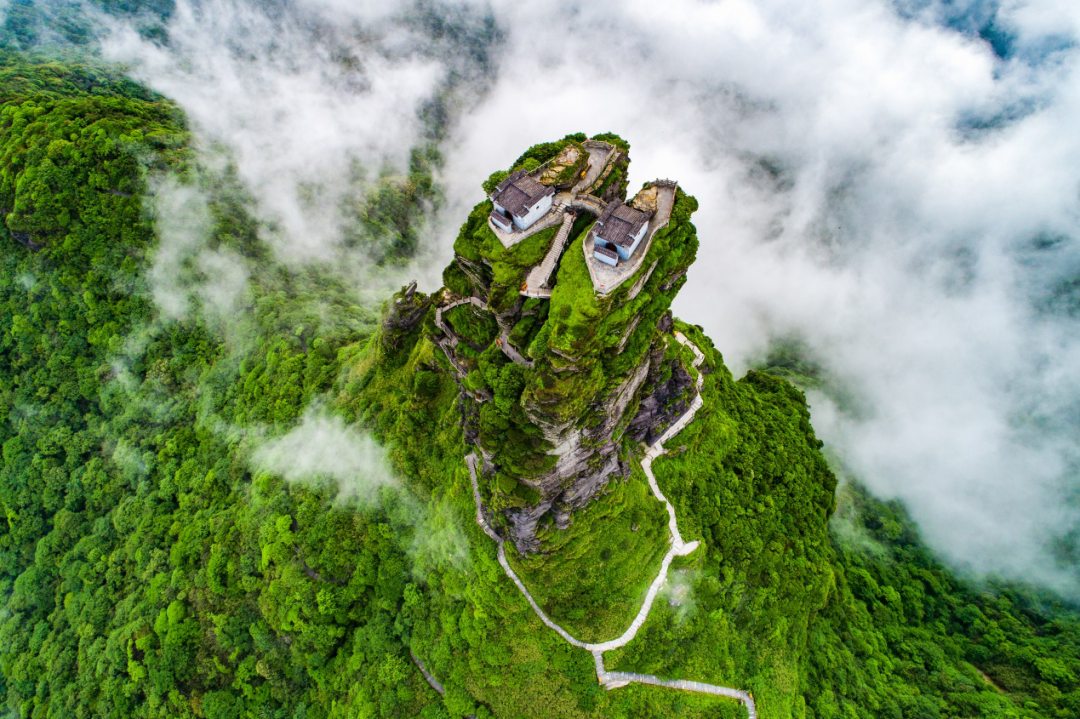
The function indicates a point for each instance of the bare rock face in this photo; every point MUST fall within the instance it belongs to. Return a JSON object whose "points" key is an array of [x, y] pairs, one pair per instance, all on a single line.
{"points": [[587, 460], [648, 401], [406, 311], [476, 272], [663, 404]]}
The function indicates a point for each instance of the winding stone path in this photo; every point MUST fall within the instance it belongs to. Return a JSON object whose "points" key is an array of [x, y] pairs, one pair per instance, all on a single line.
{"points": [[679, 548], [475, 301], [600, 153], [435, 683], [621, 679], [452, 340]]}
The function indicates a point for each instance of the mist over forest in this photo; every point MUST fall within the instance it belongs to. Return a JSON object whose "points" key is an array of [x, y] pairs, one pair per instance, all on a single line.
{"points": [[888, 215], [892, 189]]}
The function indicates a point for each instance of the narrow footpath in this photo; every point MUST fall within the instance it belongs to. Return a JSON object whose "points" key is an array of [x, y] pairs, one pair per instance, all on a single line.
{"points": [[511, 352], [613, 680], [451, 341], [435, 683], [475, 301]]}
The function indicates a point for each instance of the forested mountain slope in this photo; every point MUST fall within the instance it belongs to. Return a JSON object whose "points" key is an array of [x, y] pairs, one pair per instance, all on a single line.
{"points": [[153, 563]]}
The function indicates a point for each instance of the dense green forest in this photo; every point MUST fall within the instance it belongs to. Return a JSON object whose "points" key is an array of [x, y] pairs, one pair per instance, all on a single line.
{"points": [[152, 565]]}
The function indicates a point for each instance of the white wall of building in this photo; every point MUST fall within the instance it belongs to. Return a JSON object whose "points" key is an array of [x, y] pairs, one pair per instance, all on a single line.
{"points": [[625, 252], [605, 259], [535, 213]]}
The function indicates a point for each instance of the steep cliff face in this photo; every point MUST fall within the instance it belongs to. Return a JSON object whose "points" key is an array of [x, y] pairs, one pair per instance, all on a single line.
{"points": [[559, 380]]}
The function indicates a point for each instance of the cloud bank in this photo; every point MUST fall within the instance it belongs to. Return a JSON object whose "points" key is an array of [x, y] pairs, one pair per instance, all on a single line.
{"points": [[894, 184]]}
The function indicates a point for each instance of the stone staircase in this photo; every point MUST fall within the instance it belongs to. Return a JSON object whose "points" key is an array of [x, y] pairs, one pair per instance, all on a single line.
{"points": [[450, 340], [536, 285], [511, 352], [475, 301]]}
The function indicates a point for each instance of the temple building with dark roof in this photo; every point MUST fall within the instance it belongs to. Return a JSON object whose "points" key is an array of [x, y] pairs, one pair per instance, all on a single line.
{"points": [[618, 232], [519, 202]]}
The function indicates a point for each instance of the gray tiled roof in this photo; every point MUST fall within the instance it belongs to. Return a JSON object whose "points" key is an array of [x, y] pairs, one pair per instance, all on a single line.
{"points": [[518, 192], [620, 223]]}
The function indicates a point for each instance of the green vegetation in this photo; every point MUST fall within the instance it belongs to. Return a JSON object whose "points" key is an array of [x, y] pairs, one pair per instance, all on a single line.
{"points": [[614, 181], [544, 151], [592, 577], [567, 167], [68, 173], [23, 78], [860, 622], [503, 269], [943, 648], [147, 570], [475, 326], [151, 567], [29, 24], [389, 213], [537, 155], [753, 487], [614, 140], [573, 343], [469, 623], [585, 351], [586, 330]]}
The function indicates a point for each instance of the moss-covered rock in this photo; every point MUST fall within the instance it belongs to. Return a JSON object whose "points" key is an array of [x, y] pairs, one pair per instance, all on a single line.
{"points": [[566, 375]]}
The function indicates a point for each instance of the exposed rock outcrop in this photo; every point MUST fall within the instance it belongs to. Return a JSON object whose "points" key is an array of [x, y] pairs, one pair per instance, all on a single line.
{"points": [[665, 402], [406, 311]]}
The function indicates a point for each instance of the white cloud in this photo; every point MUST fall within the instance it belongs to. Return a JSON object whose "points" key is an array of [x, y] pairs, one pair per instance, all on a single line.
{"points": [[323, 447], [184, 266]]}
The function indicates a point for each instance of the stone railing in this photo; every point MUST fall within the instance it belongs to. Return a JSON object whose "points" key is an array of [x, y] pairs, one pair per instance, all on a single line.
{"points": [[475, 301], [537, 172], [597, 145], [451, 341], [588, 202], [540, 293]]}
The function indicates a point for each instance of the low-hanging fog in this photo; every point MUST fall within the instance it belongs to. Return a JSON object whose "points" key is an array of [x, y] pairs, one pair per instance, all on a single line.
{"points": [[878, 181]]}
